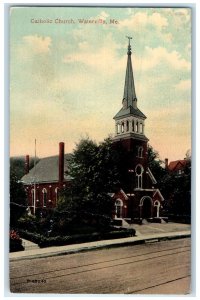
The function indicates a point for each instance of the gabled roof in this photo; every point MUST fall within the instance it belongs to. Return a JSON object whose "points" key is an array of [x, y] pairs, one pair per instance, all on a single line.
{"points": [[120, 194], [129, 98], [157, 191], [130, 111], [46, 170], [177, 165]]}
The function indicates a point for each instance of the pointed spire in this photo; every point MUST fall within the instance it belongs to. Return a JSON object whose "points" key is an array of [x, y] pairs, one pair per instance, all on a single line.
{"points": [[129, 98]]}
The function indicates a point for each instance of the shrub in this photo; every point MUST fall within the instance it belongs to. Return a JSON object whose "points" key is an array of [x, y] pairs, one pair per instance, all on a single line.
{"points": [[15, 241], [44, 241]]}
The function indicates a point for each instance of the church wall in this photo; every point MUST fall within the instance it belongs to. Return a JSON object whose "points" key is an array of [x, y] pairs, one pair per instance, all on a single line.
{"points": [[51, 190]]}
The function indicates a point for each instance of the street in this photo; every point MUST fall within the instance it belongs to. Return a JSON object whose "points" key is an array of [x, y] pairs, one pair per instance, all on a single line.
{"points": [[152, 268]]}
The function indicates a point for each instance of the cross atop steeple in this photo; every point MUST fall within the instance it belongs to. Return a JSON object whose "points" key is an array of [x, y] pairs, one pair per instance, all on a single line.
{"points": [[129, 45]]}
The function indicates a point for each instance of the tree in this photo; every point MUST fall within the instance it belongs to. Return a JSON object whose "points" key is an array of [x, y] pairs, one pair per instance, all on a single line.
{"points": [[17, 199], [176, 190], [17, 165], [95, 173], [155, 165]]}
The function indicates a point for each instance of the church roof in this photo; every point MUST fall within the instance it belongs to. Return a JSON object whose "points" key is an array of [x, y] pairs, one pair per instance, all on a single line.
{"points": [[129, 101], [124, 112], [177, 165], [129, 86], [47, 170]]}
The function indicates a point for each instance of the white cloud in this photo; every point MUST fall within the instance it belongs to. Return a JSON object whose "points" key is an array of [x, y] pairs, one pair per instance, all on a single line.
{"points": [[155, 56], [142, 19], [102, 59], [103, 15], [37, 44]]}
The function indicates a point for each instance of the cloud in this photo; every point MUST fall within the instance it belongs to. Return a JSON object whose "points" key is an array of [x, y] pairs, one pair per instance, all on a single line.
{"points": [[156, 56], [38, 44], [103, 15], [102, 59], [142, 19], [34, 44]]}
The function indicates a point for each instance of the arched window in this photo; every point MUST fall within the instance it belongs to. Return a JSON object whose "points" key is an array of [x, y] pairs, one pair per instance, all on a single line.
{"points": [[133, 126], [141, 128], [139, 172], [157, 205], [118, 128], [122, 127], [44, 191], [137, 127], [118, 206], [127, 125], [140, 152]]}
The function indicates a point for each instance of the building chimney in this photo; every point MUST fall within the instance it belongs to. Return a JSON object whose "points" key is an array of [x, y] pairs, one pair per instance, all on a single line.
{"points": [[166, 163], [26, 164], [61, 162]]}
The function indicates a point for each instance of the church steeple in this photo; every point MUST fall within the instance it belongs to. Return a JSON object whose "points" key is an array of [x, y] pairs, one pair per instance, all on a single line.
{"points": [[129, 121], [129, 98]]}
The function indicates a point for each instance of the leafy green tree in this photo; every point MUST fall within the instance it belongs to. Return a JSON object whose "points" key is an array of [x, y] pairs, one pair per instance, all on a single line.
{"points": [[95, 173], [175, 189], [17, 199], [17, 165], [178, 191], [155, 165]]}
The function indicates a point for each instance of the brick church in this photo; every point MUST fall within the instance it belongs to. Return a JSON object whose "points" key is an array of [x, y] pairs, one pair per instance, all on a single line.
{"points": [[141, 200]]}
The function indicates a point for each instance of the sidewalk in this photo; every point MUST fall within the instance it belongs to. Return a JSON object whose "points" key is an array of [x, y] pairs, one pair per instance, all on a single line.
{"points": [[144, 233]]}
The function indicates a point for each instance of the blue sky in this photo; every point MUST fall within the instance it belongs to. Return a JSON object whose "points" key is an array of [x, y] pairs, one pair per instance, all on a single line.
{"points": [[67, 79]]}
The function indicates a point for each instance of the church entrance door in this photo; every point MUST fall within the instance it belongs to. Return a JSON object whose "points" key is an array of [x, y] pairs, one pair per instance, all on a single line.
{"points": [[146, 203]]}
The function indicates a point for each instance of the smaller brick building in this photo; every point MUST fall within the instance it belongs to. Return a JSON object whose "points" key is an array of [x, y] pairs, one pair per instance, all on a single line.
{"points": [[177, 167], [43, 182]]}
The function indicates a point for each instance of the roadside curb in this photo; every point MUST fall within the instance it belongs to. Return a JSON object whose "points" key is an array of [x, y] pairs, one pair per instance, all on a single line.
{"points": [[77, 248]]}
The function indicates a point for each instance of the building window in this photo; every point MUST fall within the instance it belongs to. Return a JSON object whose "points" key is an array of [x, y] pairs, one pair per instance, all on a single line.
{"points": [[118, 206], [157, 205], [137, 126], [118, 128], [140, 152], [32, 197], [133, 126], [57, 194], [141, 128], [139, 171], [44, 191], [122, 127], [127, 125]]}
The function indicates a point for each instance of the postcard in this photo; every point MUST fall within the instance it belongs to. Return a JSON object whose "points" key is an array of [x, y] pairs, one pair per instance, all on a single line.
{"points": [[100, 150]]}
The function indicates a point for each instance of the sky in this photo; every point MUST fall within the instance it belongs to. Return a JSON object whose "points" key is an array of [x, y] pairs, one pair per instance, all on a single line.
{"points": [[67, 78]]}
